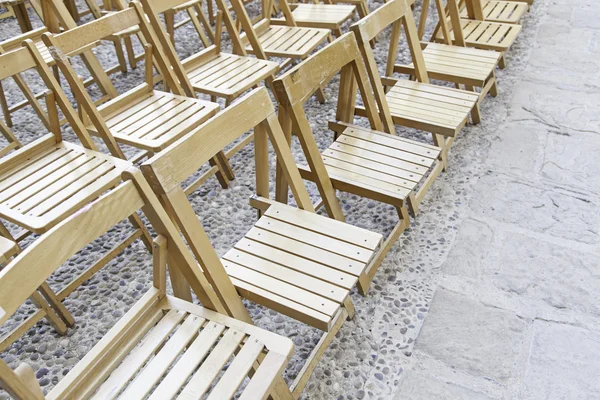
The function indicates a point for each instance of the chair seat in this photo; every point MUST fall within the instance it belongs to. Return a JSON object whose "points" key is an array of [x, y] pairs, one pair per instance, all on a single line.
{"points": [[228, 75], [328, 16], [300, 263], [379, 165], [432, 108], [457, 64], [49, 185], [509, 12], [177, 347], [486, 35], [288, 41], [157, 119]]}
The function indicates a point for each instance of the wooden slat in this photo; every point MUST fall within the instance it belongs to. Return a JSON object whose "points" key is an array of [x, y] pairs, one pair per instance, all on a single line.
{"points": [[326, 226], [202, 379], [155, 369], [269, 369], [120, 377], [188, 363], [297, 278]]}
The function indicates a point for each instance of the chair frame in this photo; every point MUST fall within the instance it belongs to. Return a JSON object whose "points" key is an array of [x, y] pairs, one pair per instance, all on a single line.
{"points": [[99, 366], [365, 30], [294, 88], [106, 26], [167, 170], [18, 61]]}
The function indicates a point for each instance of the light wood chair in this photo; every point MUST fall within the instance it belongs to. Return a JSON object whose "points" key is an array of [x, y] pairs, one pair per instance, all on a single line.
{"points": [[163, 344], [56, 16], [319, 15], [420, 105], [211, 71], [456, 63], [477, 32], [362, 161], [264, 40], [144, 118], [49, 179], [292, 260], [504, 12], [196, 16]]}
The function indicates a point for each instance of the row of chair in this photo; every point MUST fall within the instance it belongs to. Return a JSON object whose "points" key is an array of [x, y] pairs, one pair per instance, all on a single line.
{"points": [[292, 260]]}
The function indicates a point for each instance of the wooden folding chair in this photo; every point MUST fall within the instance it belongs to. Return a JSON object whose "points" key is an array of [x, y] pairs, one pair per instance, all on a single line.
{"points": [[264, 40], [362, 161], [319, 15], [477, 32], [293, 261], [211, 71], [144, 118], [420, 105], [163, 344], [49, 179], [55, 14], [455, 63]]}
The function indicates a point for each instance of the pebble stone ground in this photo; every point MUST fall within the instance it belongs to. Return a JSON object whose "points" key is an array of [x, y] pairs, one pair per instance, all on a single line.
{"points": [[499, 263]]}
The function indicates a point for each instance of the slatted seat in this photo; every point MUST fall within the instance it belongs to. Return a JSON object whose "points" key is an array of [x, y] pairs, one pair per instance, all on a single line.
{"points": [[303, 261], [432, 108], [228, 75], [156, 119], [382, 164], [54, 182], [287, 41], [164, 346], [462, 65], [327, 16], [485, 35], [509, 12], [362, 161], [292, 260]]}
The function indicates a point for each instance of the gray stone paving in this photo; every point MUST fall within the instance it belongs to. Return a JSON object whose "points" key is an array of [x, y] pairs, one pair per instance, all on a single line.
{"points": [[506, 245]]}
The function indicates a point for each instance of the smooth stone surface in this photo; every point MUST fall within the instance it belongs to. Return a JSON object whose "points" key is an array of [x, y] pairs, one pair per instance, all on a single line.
{"points": [[563, 363], [470, 336], [417, 386]]}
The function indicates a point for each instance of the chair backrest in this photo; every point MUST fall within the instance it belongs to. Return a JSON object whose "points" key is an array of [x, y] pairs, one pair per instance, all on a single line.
{"points": [[249, 28], [296, 86], [32, 267], [398, 14], [82, 36], [22, 59], [167, 170]]}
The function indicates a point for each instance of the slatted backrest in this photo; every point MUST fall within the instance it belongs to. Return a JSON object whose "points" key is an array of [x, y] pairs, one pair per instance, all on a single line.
{"points": [[398, 14], [296, 86], [103, 28], [17, 61], [167, 170]]}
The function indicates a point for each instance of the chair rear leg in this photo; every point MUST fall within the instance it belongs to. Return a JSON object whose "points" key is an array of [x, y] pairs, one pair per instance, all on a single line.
{"points": [[475, 112], [130, 53], [4, 106], [120, 54]]}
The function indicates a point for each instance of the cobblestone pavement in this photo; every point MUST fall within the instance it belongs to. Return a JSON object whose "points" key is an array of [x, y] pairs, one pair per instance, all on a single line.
{"points": [[505, 244]]}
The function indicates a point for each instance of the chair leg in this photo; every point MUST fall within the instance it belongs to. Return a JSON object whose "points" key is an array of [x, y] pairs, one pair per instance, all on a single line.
{"points": [[130, 53], [40, 302], [4, 106], [170, 25], [413, 204], [311, 362], [475, 112], [120, 55], [494, 87], [502, 63], [364, 281], [56, 304], [440, 141]]}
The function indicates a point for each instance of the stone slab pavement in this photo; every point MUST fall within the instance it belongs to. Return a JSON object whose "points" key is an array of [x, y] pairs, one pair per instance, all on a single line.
{"points": [[516, 313]]}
